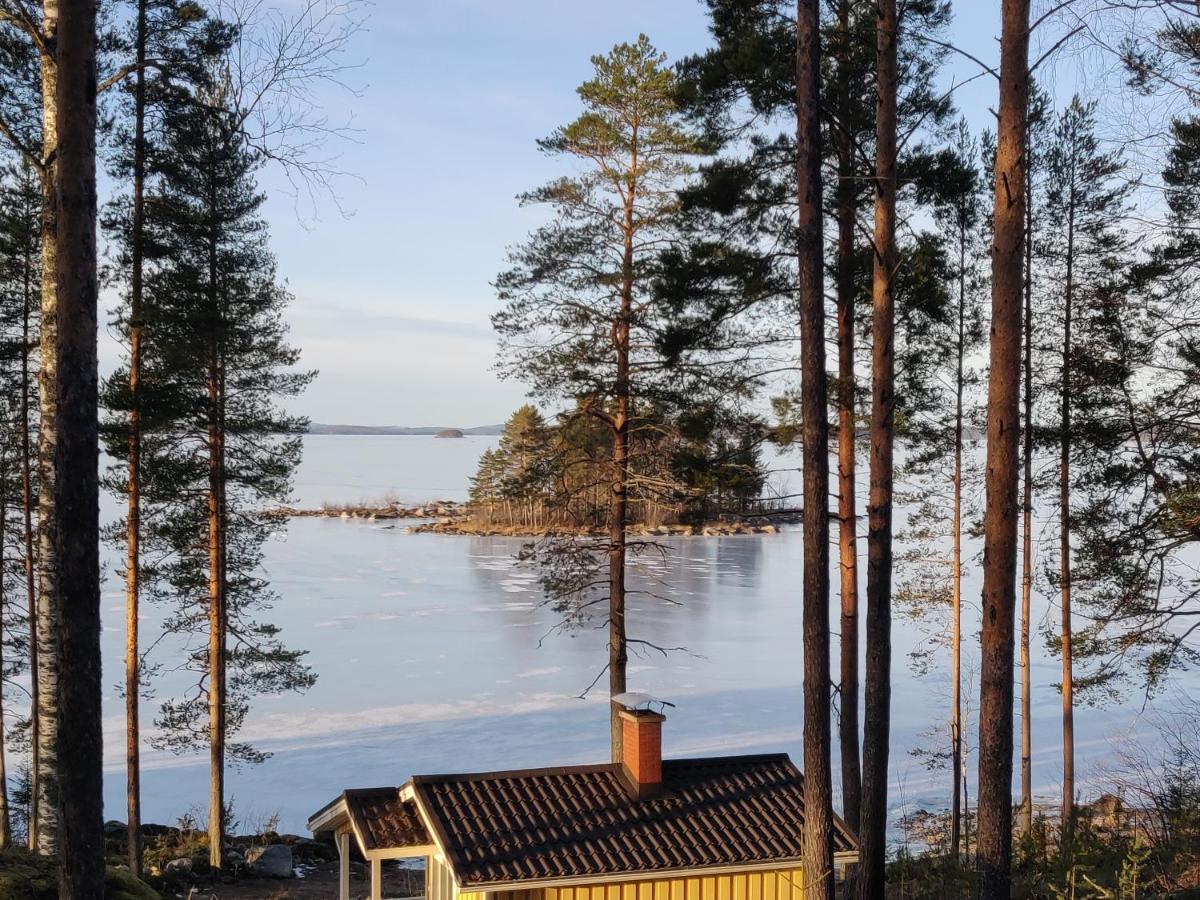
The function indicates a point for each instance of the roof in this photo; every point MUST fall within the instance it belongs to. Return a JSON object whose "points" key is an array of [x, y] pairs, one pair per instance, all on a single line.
{"points": [[583, 821], [381, 817]]}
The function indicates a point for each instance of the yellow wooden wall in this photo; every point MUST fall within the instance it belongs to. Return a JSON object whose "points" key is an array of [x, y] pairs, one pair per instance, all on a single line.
{"points": [[781, 884]]}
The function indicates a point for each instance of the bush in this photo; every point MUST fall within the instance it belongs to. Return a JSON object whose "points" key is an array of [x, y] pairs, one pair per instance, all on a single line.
{"points": [[31, 876]]}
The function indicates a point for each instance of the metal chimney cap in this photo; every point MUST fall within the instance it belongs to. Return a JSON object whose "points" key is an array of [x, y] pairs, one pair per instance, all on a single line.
{"points": [[635, 700]]}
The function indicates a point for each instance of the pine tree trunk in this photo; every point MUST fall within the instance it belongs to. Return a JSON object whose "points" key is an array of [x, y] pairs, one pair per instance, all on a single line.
{"points": [[847, 474], [216, 574], [818, 774], [618, 648], [133, 528], [1003, 432], [1027, 536], [877, 699], [5, 819], [44, 827], [216, 629], [956, 754], [76, 594], [28, 300], [1064, 527]]}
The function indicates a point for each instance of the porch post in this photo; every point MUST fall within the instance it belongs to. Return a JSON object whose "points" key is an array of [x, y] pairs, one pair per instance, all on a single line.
{"points": [[376, 878], [343, 845]]}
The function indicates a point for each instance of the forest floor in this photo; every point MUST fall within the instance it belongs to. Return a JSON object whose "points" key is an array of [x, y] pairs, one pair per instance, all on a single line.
{"points": [[318, 883]]}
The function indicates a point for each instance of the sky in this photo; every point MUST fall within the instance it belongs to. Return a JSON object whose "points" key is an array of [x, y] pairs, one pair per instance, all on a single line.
{"points": [[393, 295]]}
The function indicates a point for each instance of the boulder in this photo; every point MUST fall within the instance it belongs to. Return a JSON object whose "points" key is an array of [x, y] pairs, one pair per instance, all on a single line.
{"points": [[178, 868], [113, 828], [273, 861]]}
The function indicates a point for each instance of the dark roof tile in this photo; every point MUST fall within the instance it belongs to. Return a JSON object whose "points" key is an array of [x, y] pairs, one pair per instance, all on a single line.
{"points": [[584, 821], [384, 820]]}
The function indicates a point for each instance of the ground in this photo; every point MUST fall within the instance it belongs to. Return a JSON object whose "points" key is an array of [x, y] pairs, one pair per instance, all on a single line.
{"points": [[319, 883]]}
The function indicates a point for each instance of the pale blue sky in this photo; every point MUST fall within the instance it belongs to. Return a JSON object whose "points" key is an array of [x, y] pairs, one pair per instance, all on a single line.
{"points": [[392, 303]]}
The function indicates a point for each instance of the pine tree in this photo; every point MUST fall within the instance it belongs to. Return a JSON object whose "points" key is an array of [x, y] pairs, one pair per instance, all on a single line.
{"points": [[1141, 483], [931, 585], [76, 491], [818, 785], [1084, 251], [1037, 135], [217, 451], [579, 317], [29, 109], [20, 278], [869, 883], [177, 37], [1003, 430], [738, 90]]}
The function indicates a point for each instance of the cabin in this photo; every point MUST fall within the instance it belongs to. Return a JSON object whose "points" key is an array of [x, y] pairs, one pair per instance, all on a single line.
{"points": [[723, 828]]}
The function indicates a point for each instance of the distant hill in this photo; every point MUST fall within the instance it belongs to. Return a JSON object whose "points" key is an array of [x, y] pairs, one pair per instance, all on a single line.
{"points": [[319, 428]]}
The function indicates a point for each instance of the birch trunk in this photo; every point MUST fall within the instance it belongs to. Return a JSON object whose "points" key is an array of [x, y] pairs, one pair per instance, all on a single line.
{"points": [[76, 594], [1003, 432], [877, 700], [44, 817], [818, 780]]}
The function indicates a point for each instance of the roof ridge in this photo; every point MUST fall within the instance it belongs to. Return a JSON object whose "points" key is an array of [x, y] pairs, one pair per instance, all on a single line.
{"points": [[583, 769], [590, 768], [362, 792], [735, 757]]}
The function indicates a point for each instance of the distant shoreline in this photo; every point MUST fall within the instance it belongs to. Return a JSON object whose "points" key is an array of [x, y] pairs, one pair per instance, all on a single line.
{"points": [[404, 430], [451, 517]]}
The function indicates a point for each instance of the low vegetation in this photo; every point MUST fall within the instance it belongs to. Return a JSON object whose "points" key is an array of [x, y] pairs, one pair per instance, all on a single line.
{"points": [[555, 476]]}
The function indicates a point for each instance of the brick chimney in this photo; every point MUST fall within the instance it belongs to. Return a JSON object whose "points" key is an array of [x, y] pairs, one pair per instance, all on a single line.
{"points": [[641, 750]]}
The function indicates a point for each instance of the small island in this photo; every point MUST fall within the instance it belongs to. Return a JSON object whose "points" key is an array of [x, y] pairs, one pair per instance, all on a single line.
{"points": [[449, 433]]}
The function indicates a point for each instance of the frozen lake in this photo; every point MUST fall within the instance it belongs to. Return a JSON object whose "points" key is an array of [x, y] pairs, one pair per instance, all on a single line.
{"points": [[433, 656]]}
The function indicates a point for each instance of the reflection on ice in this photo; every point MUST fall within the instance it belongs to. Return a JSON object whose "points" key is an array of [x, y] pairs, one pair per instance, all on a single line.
{"points": [[427, 647]]}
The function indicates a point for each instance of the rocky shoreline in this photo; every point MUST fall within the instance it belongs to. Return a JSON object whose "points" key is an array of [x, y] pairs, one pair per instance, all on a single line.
{"points": [[486, 529], [438, 509], [452, 517]]}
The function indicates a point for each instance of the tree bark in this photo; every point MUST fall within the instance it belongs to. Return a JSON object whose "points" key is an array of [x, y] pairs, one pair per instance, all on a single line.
{"points": [[1027, 535], [133, 528], [44, 823], [31, 606], [1064, 523], [956, 745], [847, 435], [818, 775], [618, 647], [877, 700], [1003, 432], [5, 819], [76, 494], [216, 572]]}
